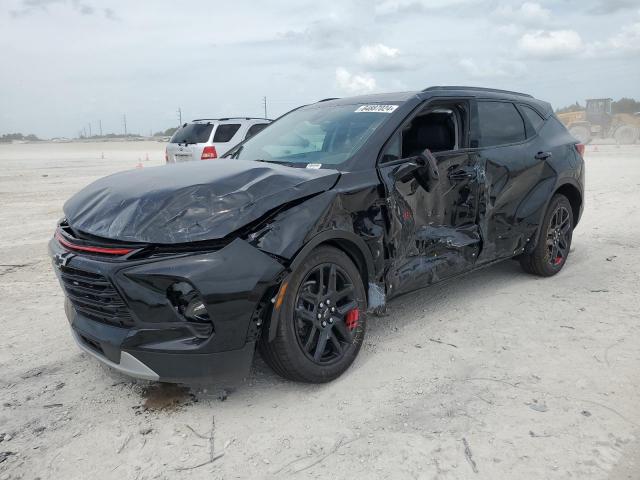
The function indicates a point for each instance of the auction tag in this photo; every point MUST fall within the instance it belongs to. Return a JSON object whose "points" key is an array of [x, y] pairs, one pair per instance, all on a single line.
{"points": [[314, 166], [375, 108]]}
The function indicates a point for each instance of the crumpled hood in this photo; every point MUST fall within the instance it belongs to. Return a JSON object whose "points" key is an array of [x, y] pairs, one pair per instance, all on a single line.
{"points": [[189, 202]]}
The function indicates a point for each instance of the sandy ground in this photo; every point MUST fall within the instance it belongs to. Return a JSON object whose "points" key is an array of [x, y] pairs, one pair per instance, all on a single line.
{"points": [[498, 375]]}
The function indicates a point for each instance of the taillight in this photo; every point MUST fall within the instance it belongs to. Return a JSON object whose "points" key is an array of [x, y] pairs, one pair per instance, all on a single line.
{"points": [[580, 149], [208, 153]]}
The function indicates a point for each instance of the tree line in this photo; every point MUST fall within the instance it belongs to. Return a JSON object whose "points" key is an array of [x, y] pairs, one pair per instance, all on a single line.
{"points": [[624, 105], [10, 137]]}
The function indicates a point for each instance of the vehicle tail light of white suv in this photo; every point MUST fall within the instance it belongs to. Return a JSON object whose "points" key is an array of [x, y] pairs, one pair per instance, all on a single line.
{"points": [[209, 153]]}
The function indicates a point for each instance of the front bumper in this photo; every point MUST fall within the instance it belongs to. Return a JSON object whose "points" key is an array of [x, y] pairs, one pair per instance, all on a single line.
{"points": [[147, 337]]}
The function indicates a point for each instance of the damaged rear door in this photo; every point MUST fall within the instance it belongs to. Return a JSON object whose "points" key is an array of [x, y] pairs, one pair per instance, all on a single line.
{"points": [[519, 176], [432, 211]]}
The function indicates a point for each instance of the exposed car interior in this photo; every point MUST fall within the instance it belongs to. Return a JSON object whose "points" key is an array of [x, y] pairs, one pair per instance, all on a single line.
{"points": [[438, 130]]}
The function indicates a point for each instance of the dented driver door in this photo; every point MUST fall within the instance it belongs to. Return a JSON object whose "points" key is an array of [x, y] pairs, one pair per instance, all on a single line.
{"points": [[432, 230]]}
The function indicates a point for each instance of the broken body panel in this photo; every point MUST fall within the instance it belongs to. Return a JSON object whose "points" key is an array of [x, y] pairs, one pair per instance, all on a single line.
{"points": [[252, 222]]}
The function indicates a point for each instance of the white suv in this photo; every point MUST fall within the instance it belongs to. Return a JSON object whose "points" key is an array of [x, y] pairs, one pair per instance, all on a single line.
{"points": [[206, 139]]}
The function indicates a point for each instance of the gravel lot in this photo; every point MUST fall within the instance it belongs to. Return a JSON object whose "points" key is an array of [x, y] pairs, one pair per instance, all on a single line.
{"points": [[498, 375]]}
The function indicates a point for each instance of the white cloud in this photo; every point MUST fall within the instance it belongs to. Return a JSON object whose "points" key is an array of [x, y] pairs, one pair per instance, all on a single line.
{"points": [[380, 57], [510, 30], [551, 44], [325, 33], [492, 68], [568, 43], [624, 43], [529, 13], [390, 7], [354, 83]]}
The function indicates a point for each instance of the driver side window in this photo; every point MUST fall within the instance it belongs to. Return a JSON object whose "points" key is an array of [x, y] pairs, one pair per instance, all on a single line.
{"points": [[437, 128]]}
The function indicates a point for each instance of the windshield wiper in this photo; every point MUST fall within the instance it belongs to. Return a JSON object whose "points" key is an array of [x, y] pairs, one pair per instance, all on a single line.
{"points": [[277, 162]]}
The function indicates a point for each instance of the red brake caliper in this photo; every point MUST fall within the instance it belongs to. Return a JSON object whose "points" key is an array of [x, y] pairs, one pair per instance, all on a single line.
{"points": [[351, 318]]}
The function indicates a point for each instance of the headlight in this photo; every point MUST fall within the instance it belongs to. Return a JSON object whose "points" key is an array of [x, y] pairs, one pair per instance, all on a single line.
{"points": [[191, 308]]}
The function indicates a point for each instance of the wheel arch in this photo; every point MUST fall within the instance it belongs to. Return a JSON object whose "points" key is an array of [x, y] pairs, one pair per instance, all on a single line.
{"points": [[570, 189], [349, 243], [574, 195]]}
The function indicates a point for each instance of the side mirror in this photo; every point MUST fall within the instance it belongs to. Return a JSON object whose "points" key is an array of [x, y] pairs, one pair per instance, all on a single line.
{"points": [[428, 160], [423, 160]]}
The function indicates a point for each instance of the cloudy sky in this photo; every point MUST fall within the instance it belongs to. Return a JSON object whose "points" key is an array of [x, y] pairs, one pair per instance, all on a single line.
{"points": [[68, 63]]}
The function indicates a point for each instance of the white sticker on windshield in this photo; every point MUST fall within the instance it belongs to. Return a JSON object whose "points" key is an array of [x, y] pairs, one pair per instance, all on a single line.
{"points": [[375, 108], [314, 166]]}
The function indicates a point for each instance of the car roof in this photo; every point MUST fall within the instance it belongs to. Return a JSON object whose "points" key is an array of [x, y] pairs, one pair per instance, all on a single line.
{"points": [[371, 98], [444, 91]]}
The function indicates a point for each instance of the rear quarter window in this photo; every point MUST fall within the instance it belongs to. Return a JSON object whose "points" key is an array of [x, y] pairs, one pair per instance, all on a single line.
{"points": [[193, 133], [225, 132], [500, 124], [533, 117]]}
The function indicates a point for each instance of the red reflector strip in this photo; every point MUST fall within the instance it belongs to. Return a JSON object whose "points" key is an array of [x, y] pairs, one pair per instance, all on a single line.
{"points": [[82, 248]]}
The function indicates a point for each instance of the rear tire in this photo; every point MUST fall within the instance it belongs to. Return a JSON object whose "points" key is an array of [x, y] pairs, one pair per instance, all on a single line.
{"points": [[582, 133], [626, 135], [554, 242], [322, 319]]}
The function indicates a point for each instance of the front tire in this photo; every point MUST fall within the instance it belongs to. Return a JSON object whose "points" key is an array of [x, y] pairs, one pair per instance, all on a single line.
{"points": [[322, 320], [554, 243]]}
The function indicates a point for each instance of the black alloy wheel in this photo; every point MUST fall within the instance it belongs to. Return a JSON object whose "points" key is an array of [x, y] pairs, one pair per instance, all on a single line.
{"points": [[558, 236], [554, 244], [326, 313], [321, 324]]}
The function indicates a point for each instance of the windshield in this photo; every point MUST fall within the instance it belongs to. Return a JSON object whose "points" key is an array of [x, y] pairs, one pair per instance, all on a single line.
{"points": [[193, 133], [325, 135]]}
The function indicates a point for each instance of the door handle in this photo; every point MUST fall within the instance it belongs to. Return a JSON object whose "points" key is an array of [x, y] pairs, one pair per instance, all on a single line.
{"points": [[543, 155]]}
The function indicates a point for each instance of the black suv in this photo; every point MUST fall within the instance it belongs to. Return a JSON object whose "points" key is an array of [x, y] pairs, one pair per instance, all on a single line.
{"points": [[176, 273]]}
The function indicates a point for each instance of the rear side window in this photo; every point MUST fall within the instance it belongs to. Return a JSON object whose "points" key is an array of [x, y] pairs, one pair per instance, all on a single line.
{"points": [[500, 124], [534, 118], [193, 133], [225, 132], [253, 129]]}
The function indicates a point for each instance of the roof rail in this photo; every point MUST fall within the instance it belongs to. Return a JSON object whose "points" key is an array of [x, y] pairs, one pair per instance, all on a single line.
{"points": [[229, 118], [327, 99], [476, 89]]}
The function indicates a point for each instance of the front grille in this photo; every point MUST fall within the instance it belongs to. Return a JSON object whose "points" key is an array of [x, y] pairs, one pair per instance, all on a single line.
{"points": [[93, 296]]}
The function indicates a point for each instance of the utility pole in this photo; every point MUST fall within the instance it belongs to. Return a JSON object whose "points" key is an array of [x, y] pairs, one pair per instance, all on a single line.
{"points": [[100, 123], [179, 116], [124, 119], [89, 129], [264, 103]]}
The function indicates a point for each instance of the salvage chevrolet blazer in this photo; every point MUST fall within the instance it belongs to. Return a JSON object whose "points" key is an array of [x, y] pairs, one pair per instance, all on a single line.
{"points": [[177, 273]]}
